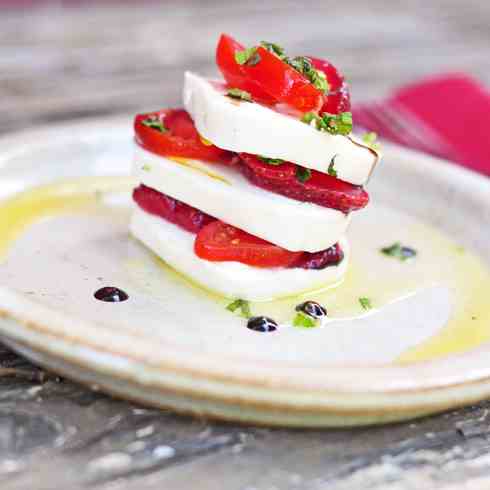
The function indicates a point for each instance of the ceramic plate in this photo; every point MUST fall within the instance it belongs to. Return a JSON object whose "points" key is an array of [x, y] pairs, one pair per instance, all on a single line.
{"points": [[421, 346]]}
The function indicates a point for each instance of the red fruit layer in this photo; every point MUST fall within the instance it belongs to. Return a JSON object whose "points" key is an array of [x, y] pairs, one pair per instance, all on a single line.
{"points": [[178, 213], [320, 188], [338, 98], [193, 220], [320, 260]]}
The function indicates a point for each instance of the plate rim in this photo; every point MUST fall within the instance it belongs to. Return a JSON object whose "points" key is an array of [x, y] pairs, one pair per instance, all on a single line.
{"points": [[468, 384]]}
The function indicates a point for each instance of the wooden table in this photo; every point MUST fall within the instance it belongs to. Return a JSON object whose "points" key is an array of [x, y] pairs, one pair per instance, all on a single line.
{"points": [[64, 63]]}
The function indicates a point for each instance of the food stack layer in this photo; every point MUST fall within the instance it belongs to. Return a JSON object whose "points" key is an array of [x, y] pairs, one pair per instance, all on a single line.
{"points": [[249, 189]]}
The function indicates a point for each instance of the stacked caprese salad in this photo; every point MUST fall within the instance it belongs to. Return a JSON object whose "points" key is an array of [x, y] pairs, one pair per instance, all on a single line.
{"points": [[248, 190]]}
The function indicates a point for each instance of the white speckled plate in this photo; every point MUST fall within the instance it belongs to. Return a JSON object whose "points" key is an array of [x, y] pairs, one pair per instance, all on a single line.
{"points": [[172, 345]]}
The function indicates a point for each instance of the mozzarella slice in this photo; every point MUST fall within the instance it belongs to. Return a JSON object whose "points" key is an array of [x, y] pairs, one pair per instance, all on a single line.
{"points": [[226, 195], [232, 279], [241, 126]]}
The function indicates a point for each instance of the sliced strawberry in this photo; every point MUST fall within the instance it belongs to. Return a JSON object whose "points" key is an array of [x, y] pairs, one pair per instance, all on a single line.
{"points": [[178, 213], [320, 188], [272, 171], [338, 98], [320, 260]]}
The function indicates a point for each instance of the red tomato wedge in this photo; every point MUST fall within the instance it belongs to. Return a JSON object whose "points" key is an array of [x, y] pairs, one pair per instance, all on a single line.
{"points": [[270, 80], [220, 242], [284, 83], [338, 98], [233, 73], [180, 139]]}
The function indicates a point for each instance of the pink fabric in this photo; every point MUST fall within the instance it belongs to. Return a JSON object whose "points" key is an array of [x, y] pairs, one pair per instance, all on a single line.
{"points": [[448, 115]]}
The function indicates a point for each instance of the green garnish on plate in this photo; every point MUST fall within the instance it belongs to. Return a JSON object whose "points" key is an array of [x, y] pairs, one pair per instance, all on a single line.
{"points": [[302, 320], [365, 303], [399, 251], [242, 305]]}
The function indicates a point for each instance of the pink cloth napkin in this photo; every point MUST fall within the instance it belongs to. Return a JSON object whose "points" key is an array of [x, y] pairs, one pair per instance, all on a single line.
{"points": [[448, 116]]}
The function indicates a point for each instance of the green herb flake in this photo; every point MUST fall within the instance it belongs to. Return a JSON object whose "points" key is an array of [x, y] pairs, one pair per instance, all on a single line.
{"points": [[242, 305], [273, 48], [331, 167], [248, 56], [398, 251], [308, 117], [330, 123], [302, 320], [303, 174], [370, 140], [154, 123], [146, 167], [270, 161], [304, 66], [365, 303], [337, 123], [237, 93]]}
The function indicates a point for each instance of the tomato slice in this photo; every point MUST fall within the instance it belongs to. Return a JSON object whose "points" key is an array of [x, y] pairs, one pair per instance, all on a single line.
{"points": [[220, 242], [180, 138], [283, 82], [269, 81], [338, 98], [233, 73]]}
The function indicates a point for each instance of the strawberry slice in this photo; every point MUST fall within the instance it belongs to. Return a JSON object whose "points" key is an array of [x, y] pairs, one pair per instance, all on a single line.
{"points": [[338, 98], [320, 188], [320, 260], [177, 212]]}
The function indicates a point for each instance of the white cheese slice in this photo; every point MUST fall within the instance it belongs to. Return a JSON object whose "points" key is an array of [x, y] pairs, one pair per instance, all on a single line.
{"points": [[225, 194], [232, 279], [241, 126]]}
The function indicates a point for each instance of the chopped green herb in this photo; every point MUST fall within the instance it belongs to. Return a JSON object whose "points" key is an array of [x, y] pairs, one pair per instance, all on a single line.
{"points": [[330, 123], [303, 65], [154, 123], [242, 305], [273, 48], [319, 80], [370, 140], [146, 167], [237, 93], [271, 161], [331, 167], [303, 174], [248, 56], [398, 251], [303, 320], [337, 123], [365, 303], [308, 117]]}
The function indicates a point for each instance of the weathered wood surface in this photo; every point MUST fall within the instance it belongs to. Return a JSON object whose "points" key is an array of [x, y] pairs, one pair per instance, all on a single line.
{"points": [[58, 64]]}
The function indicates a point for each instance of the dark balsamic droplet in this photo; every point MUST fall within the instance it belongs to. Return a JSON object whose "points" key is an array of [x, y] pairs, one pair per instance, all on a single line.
{"points": [[111, 295], [262, 324], [313, 309]]}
